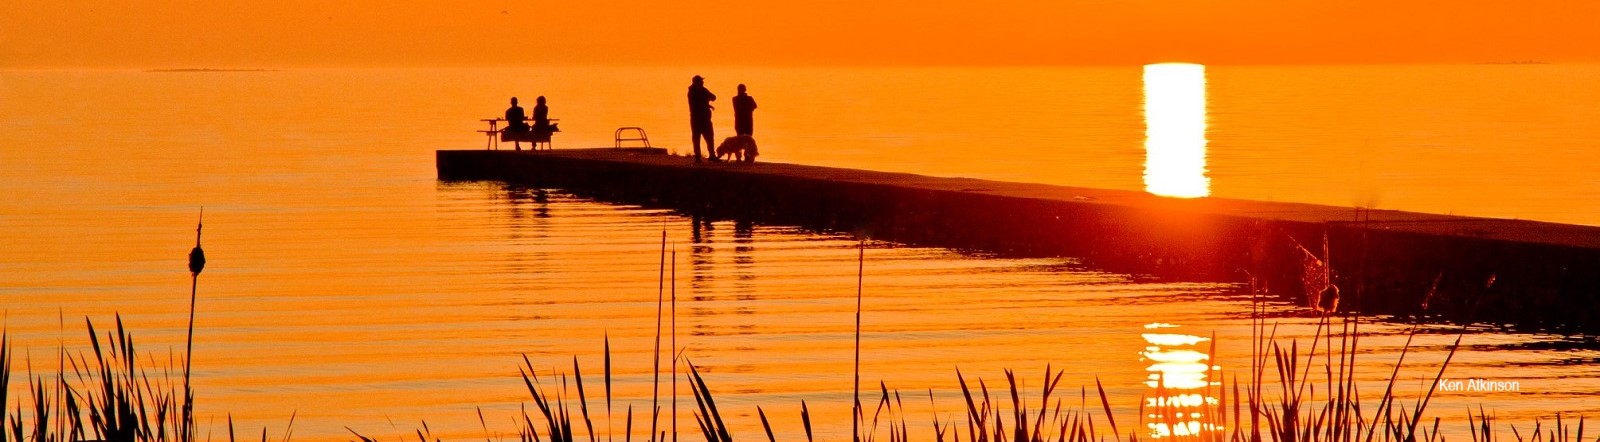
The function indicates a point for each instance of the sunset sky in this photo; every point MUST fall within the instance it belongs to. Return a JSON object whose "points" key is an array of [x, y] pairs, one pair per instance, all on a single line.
{"points": [[286, 33]]}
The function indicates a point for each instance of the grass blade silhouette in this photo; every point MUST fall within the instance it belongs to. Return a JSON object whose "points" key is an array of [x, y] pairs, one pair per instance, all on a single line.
{"points": [[655, 385], [768, 425]]}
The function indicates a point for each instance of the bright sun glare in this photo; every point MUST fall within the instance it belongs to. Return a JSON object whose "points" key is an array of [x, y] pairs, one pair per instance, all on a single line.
{"points": [[1175, 130]]}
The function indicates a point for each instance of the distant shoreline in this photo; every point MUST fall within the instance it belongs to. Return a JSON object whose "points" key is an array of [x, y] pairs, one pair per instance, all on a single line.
{"points": [[209, 70]]}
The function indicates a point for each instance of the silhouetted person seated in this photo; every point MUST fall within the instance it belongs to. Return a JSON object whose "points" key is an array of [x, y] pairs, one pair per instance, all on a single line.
{"points": [[541, 118], [517, 129], [516, 120]]}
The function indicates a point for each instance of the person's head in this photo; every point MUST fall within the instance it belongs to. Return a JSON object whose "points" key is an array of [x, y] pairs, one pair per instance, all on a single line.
{"points": [[540, 99], [741, 88], [513, 101], [699, 80]]}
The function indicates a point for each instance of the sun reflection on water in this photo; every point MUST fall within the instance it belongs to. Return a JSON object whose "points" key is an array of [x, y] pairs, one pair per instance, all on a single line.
{"points": [[1180, 399], [1175, 130]]}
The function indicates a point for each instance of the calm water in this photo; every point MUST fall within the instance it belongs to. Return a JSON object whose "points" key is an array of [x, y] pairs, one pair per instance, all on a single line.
{"points": [[350, 287]]}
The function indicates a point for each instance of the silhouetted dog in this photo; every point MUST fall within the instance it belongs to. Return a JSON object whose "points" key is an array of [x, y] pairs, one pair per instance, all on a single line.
{"points": [[743, 146]]}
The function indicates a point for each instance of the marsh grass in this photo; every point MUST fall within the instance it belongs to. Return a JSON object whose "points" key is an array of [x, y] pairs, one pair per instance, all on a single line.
{"points": [[101, 395], [1290, 393], [108, 397], [1293, 391], [1482, 426], [104, 395]]}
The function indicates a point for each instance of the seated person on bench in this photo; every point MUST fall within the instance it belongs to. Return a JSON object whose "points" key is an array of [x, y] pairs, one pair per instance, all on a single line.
{"points": [[541, 117], [517, 128], [516, 120]]}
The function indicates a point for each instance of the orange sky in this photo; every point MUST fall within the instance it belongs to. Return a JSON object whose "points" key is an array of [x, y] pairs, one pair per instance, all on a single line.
{"points": [[288, 33]]}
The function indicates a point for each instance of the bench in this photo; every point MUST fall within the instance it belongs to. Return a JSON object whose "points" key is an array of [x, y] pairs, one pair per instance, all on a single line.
{"points": [[497, 134]]}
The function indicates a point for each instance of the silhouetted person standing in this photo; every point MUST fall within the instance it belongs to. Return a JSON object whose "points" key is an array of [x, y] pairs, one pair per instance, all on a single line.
{"points": [[700, 100], [744, 109]]}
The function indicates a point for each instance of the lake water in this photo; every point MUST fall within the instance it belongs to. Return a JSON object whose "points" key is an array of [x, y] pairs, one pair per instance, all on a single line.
{"points": [[349, 287]]}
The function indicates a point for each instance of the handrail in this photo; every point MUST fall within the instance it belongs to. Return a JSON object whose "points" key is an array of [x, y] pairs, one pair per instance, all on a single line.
{"points": [[641, 136]]}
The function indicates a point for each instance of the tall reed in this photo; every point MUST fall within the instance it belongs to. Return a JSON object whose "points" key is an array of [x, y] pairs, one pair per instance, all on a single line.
{"points": [[855, 384], [197, 263], [98, 396], [1277, 400], [655, 393], [110, 398], [675, 350]]}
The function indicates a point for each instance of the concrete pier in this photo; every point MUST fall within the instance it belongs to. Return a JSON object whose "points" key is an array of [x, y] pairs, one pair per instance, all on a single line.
{"points": [[1382, 261]]}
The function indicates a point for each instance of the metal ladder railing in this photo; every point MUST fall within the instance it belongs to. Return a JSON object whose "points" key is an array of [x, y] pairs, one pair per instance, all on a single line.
{"points": [[639, 131]]}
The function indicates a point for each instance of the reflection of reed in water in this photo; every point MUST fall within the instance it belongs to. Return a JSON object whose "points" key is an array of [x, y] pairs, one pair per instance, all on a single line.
{"points": [[1180, 382]]}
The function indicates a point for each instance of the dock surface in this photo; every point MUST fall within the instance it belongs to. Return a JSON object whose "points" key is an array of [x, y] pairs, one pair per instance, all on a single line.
{"points": [[1381, 261]]}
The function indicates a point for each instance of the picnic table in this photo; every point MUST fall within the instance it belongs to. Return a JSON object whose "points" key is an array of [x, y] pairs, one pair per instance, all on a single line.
{"points": [[497, 134]]}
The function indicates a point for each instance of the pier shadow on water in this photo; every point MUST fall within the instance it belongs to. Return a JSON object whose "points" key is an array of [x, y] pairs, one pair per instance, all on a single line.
{"points": [[1355, 266]]}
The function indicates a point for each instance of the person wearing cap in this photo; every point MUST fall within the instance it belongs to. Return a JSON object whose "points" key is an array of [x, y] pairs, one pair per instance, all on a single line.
{"points": [[700, 108], [744, 109]]}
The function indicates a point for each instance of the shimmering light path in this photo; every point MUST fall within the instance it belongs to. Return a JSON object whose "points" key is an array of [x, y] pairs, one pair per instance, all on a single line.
{"points": [[1175, 130]]}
